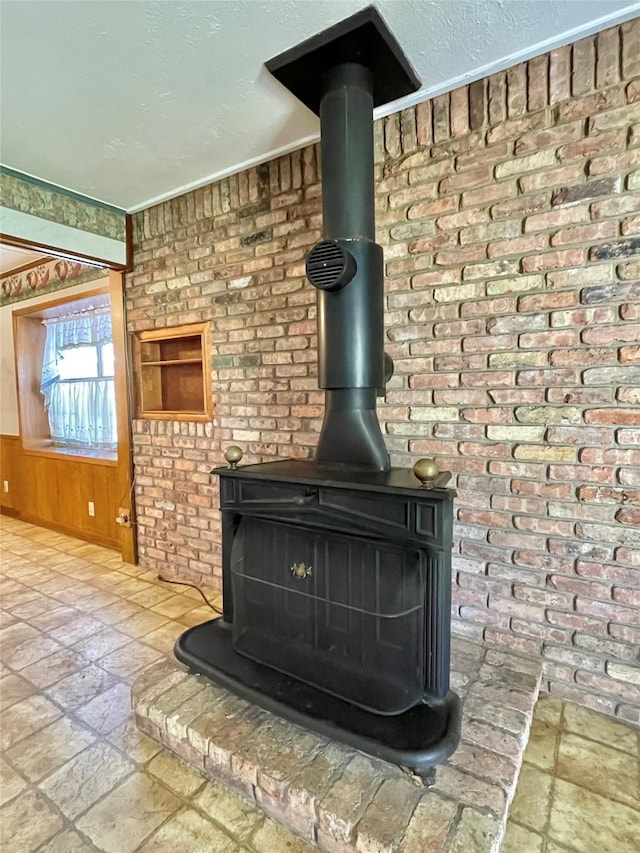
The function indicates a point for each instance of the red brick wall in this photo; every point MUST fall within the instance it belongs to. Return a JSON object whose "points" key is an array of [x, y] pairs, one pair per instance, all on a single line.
{"points": [[509, 211]]}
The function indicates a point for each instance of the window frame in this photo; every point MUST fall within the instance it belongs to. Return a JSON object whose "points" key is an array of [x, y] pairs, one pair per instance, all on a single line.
{"points": [[28, 347]]}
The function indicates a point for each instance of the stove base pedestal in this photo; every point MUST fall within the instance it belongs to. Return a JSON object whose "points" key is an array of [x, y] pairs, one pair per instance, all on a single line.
{"points": [[417, 739]]}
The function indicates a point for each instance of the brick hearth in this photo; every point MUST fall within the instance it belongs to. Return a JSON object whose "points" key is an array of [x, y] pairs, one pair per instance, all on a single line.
{"points": [[337, 798]]}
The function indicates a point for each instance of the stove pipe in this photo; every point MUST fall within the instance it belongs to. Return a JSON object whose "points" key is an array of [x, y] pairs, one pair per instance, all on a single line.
{"points": [[350, 317], [342, 74]]}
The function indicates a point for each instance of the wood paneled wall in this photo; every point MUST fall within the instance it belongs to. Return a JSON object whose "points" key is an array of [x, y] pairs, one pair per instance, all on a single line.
{"points": [[54, 491]]}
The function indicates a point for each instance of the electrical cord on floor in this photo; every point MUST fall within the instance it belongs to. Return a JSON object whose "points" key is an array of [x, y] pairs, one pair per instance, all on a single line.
{"points": [[184, 583]]}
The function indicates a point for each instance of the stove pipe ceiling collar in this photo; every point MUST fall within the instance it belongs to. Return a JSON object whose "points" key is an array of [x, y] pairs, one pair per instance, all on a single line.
{"points": [[342, 74]]}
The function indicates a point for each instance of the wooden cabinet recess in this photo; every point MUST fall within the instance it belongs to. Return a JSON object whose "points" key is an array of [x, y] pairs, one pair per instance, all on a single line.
{"points": [[173, 373]]}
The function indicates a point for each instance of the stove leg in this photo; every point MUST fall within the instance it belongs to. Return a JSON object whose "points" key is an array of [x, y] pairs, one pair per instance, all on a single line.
{"points": [[425, 777], [428, 776]]}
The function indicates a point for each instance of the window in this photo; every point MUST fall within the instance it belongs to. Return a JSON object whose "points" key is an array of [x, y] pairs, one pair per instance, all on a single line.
{"points": [[77, 379]]}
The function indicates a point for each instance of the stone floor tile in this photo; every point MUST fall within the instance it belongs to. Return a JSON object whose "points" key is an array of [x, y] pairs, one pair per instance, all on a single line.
{"points": [[14, 635], [96, 601], [7, 619], [148, 597], [11, 784], [138, 626], [175, 774], [521, 840], [600, 768], [26, 823], [60, 665], [130, 659], [68, 842], [14, 688], [130, 740], [79, 783], [81, 687], [542, 745], [32, 651], [54, 618], [586, 822], [530, 806], [589, 724], [270, 837], [549, 710], [197, 616], [75, 594], [56, 584], [128, 814], [118, 612], [34, 607], [233, 812], [108, 710], [78, 629], [25, 718], [46, 750], [189, 831], [177, 605], [19, 597], [101, 644], [164, 638]]}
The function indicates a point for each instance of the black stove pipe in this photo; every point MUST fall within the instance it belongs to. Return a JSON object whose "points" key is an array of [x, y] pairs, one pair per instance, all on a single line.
{"points": [[341, 74], [350, 317]]}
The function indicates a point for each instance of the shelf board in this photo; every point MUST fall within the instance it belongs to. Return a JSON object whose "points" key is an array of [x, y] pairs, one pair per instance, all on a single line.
{"points": [[171, 362], [175, 415]]}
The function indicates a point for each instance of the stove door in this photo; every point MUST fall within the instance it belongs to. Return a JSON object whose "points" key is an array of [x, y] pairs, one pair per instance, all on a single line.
{"points": [[342, 612]]}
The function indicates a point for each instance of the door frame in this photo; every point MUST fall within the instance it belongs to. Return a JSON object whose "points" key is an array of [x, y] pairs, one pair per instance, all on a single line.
{"points": [[123, 387], [123, 390]]}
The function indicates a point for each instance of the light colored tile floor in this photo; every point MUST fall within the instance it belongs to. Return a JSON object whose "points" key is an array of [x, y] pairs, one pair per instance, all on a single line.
{"points": [[579, 787], [76, 627]]}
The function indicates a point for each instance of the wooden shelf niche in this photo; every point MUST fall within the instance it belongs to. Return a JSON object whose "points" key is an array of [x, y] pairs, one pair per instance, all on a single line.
{"points": [[173, 373]]}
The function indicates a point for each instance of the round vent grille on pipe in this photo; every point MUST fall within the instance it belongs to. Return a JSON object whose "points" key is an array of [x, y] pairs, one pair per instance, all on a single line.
{"points": [[330, 266]]}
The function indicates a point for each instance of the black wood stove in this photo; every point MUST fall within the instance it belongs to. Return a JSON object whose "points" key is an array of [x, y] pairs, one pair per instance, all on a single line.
{"points": [[337, 572]]}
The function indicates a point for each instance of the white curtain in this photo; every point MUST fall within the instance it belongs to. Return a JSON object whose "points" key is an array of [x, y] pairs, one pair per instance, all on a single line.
{"points": [[83, 412], [80, 411]]}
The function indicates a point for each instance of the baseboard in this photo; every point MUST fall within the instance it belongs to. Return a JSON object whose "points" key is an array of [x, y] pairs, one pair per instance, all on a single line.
{"points": [[87, 536]]}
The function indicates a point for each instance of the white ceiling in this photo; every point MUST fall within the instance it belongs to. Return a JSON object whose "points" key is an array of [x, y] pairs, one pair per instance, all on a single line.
{"points": [[11, 258], [133, 102]]}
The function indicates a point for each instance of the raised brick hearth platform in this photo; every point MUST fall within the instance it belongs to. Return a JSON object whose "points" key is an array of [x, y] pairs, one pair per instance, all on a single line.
{"points": [[337, 798]]}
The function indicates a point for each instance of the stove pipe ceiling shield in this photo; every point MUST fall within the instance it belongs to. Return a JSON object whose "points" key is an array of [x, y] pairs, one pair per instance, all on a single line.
{"points": [[342, 74]]}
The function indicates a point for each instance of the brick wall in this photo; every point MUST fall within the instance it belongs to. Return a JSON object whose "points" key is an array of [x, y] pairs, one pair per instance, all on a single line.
{"points": [[509, 211]]}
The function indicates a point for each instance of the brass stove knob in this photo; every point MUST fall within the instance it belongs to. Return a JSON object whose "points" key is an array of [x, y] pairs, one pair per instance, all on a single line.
{"points": [[426, 470], [300, 570], [233, 454]]}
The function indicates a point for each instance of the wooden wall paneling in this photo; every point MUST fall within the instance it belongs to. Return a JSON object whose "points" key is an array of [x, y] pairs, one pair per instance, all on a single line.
{"points": [[55, 491], [9, 453], [56, 487]]}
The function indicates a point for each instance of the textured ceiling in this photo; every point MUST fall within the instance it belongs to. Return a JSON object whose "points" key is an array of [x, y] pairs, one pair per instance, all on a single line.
{"points": [[133, 102], [12, 258]]}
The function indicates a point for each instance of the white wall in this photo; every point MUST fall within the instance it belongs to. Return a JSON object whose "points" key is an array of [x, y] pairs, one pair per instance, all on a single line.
{"points": [[9, 424]]}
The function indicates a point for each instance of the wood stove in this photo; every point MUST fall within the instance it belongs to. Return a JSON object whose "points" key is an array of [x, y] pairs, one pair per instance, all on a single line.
{"points": [[337, 572]]}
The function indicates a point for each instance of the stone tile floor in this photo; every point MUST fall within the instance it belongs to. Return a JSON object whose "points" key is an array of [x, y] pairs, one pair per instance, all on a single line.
{"points": [[77, 626]]}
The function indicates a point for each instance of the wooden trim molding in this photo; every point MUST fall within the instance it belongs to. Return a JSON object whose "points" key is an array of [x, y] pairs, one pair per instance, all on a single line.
{"points": [[46, 249]]}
